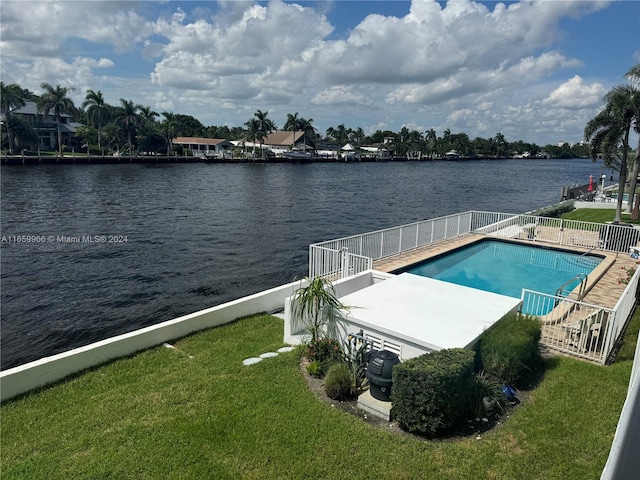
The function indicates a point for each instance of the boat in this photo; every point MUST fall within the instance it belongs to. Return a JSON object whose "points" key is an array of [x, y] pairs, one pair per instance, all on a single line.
{"points": [[452, 155], [298, 156]]}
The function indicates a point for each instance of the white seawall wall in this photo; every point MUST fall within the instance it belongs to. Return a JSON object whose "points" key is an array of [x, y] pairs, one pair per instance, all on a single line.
{"points": [[39, 373]]}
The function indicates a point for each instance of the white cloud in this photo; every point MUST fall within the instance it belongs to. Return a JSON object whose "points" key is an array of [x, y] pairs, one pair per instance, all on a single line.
{"points": [[340, 95], [41, 29], [574, 94], [461, 65]]}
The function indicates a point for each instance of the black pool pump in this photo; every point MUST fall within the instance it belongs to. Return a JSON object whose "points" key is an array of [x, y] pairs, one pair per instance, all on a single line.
{"points": [[379, 374]]}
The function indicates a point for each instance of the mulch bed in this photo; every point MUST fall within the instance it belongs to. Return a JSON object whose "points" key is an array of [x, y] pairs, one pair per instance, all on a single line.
{"points": [[475, 427]]}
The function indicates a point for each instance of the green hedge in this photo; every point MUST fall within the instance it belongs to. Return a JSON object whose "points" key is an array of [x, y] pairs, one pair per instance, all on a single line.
{"points": [[556, 210], [510, 351], [432, 393]]}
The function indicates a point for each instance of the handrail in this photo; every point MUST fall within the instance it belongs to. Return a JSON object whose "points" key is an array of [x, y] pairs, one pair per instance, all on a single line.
{"points": [[583, 277]]}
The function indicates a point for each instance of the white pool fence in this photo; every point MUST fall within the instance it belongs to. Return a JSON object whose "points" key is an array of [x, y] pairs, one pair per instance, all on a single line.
{"points": [[573, 327]]}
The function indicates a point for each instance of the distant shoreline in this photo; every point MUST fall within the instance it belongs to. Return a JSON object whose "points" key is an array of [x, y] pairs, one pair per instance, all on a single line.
{"points": [[164, 159]]}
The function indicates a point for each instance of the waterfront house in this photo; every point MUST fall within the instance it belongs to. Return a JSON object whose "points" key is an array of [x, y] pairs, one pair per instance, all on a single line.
{"points": [[283, 141], [210, 147], [46, 127]]}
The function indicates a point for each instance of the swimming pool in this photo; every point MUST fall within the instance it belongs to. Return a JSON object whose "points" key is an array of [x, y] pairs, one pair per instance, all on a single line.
{"points": [[506, 268]]}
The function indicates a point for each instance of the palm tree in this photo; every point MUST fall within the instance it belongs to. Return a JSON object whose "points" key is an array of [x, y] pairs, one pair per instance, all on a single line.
{"points": [[147, 114], [358, 136], [293, 125], [127, 117], [608, 133], [633, 75], [19, 131], [266, 124], [253, 132], [316, 306], [55, 100], [432, 140], [308, 130], [339, 134], [11, 98], [169, 125], [293, 122], [98, 111], [500, 145]]}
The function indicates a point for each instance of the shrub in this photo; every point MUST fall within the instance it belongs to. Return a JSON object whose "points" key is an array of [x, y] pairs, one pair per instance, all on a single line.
{"points": [[556, 210], [337, 383], [433, 392], [313, 369], [487, 394], [357, 352], [509, 351], [325, 352]]}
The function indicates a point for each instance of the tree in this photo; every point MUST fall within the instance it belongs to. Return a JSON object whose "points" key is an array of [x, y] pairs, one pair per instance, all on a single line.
{"points": [[308, 130], [259, 127], [112, 134], [169, 125], [55, 100], [316, 305], [11, 98], [265, 123], [499, 146], [293, 122], [98, 111], [633, 75], [19, 132], [254, 133], [88, 134], [127, 117], [608, 133], [188, 126], [432, 140], [147, 115]]}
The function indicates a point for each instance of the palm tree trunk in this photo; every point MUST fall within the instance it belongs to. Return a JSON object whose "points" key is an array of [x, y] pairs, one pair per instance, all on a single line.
{"points": [[623, 177], [59, 138], [9, 137], [635, 213], [632, 184]]}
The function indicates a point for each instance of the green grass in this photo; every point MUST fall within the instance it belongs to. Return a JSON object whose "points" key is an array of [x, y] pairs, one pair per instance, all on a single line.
{"points": [[162, 414], [596, 215]]}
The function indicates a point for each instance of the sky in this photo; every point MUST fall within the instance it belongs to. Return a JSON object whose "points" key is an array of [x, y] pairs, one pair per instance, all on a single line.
{"points": [[533, 71]]}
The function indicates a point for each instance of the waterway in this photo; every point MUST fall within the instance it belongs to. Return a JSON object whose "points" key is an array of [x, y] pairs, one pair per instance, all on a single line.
{"points": [[114, 248]]}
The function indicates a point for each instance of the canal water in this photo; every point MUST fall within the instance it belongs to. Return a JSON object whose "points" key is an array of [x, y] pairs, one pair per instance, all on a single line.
{"points": [[93, 251]]}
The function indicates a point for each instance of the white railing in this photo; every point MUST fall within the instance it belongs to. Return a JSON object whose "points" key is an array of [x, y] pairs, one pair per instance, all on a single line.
{"points": [[393, 241], [581, 329], [387, 242], [325, 262], [623, 456]]}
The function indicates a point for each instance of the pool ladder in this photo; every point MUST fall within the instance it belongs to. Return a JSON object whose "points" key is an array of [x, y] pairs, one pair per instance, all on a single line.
{"points": [[562, 292]]}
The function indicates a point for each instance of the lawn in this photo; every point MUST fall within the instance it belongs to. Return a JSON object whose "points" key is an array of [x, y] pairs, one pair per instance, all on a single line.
{"points": [[597, 215], [196, 412]]}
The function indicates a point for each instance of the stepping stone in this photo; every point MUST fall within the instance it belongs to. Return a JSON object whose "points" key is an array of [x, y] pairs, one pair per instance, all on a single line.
{"points": [[251, 361], [269, 355], [285, 349]]}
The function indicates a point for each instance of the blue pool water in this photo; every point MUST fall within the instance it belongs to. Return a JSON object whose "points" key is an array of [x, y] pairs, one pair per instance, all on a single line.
{"points": [[506, 268]]}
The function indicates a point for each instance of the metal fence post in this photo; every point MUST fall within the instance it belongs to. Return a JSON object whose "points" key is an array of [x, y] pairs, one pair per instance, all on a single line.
{"points": [[344, 262]]}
